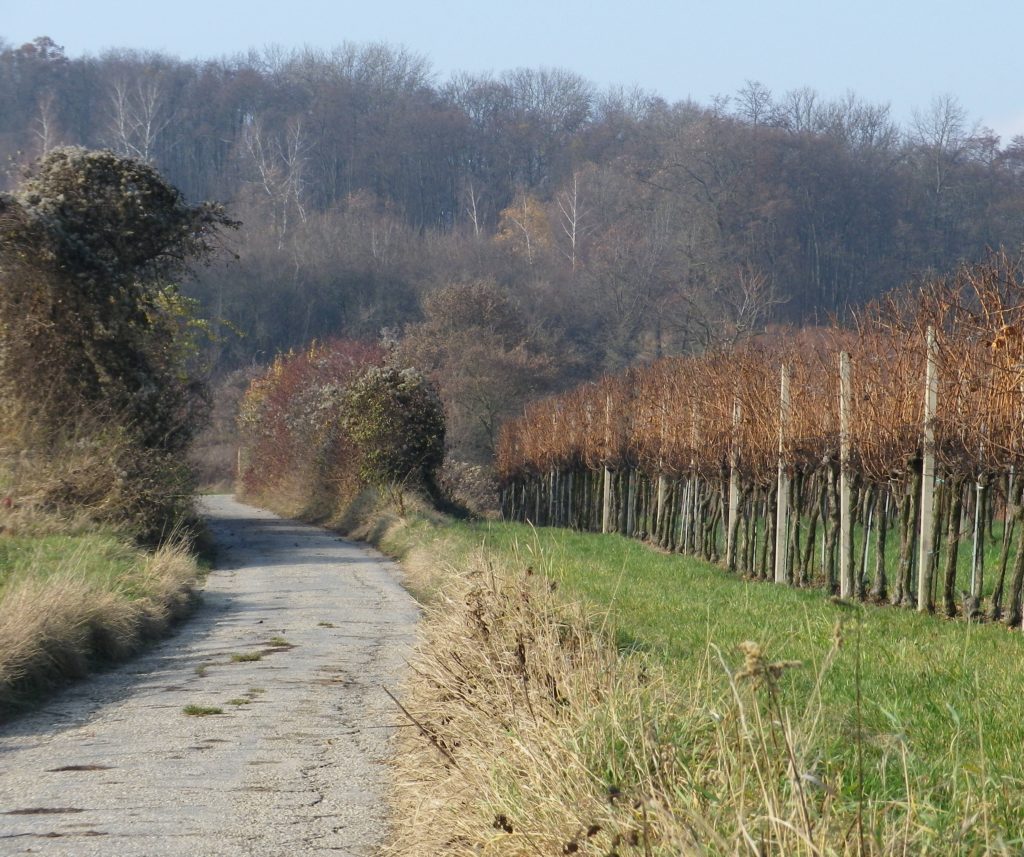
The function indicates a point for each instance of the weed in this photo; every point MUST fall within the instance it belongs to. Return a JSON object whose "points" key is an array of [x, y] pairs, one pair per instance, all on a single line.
{"points": [[245, 657], [202, 710], [239, 700]]}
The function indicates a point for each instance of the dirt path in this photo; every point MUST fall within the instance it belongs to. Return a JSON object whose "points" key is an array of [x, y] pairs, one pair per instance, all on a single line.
{"points": [[115, 767]]}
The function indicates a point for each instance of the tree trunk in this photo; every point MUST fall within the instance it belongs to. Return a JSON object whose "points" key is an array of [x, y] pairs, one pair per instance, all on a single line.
{"points": [[1017, 582], [956, 490], [1010, 518], [832, 531]]}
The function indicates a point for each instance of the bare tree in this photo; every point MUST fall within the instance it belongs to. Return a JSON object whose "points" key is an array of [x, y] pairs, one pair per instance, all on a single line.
{"points": [[279, 162], [46, 125], [941, 132], [138, 115], [473, 200], [798, 111], [754, 103], [568, 202]]}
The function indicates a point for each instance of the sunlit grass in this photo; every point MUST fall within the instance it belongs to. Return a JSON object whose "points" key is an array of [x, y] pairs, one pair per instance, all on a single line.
{"points": [[935, 694], [68, 602]]}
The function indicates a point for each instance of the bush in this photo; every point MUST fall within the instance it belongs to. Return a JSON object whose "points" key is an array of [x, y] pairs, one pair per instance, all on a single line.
{"points": [[322, 425], [396, 423], [96, 342]]}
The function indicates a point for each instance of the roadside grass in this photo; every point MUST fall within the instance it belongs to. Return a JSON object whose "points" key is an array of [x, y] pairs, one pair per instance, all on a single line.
{"points": [[932, 691], [70, 602], [902, 728]]}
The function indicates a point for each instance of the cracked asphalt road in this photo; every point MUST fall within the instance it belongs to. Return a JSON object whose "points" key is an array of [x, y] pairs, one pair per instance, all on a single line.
{"points": [[294, 766]]}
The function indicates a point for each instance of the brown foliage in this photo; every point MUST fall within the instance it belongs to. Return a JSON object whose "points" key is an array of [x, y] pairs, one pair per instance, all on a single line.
{"points": [[675, 415]]}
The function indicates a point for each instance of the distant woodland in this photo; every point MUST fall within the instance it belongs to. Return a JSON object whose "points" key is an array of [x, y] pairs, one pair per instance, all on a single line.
{"points": [[577, 230]]}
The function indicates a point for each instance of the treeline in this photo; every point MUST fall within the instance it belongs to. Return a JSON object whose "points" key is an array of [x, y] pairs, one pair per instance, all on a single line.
{"points": [[806, 459], [625, 226]]}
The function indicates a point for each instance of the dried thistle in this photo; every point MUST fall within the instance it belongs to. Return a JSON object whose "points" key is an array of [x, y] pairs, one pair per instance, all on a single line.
{"points": [[758, 669]]}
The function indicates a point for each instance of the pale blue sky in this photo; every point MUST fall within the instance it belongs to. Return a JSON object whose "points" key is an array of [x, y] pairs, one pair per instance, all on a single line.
{"points": [[902, 52]]}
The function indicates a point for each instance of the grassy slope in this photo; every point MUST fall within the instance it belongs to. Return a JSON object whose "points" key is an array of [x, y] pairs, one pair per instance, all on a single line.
{"points": [[935, 696], [70, 601]]}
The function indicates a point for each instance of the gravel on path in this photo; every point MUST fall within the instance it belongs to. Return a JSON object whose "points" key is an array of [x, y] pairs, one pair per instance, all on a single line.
{"points": [[298, 634]]}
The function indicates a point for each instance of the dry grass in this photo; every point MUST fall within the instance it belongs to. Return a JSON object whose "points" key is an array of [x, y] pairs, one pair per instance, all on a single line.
{"points": [[531, 734], [65, 607]]}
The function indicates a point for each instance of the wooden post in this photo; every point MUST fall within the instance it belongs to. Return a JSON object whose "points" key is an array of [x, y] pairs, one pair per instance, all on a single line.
{"points": [[977, 557], [782, 498], [662, 486], [734, 488], [661, 509], [926, 541], [606, 520], [631, 503], [684, 536], [846, 584]]}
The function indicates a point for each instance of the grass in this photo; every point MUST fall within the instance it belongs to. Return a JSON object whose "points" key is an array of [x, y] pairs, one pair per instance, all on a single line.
{"points": [[938, 689], [907, 719], [202, 710], [245, 657], [239, 700], [69, 602], [102, 558]]}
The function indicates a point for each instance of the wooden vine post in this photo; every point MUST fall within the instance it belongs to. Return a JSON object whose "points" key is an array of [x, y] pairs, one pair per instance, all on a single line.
{"points": [[782, 498], [606, 505], [659, 515], [734, 488], [925, 568], [846, 577]]}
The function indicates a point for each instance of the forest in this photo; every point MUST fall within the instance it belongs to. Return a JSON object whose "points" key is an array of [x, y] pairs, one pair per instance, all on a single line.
{"points": [[589, 229]]}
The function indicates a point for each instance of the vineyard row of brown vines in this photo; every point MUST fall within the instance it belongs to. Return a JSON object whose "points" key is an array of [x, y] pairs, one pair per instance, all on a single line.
{"points": [[804, 458]]}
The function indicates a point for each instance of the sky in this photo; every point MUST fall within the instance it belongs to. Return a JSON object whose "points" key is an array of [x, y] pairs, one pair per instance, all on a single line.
{"points": [[902, 52]]}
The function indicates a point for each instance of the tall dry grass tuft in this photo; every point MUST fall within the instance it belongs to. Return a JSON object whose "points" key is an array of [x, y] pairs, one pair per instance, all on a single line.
{"points": [[531, 733], [58, 621]]}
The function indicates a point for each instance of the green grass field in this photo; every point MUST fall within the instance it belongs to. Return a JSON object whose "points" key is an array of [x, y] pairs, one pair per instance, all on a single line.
{"points": [[927, 704]]}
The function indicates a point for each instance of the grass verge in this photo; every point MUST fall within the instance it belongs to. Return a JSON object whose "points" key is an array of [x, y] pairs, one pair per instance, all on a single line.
{"points": [[69, 602], [576, 693]]}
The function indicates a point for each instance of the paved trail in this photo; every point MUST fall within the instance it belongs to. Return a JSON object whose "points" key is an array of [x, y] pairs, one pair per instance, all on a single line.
{"points": [[114, 766]]}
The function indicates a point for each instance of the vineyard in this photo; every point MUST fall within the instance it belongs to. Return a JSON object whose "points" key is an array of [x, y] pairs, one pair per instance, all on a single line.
{"points": [[879, 461]]}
